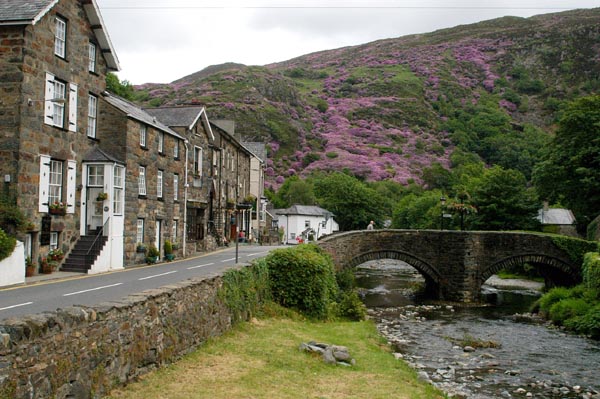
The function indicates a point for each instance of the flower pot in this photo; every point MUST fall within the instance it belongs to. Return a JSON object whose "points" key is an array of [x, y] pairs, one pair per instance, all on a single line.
{"points": [[29, 271], [46, 268], [169, 257], [57, 211]]}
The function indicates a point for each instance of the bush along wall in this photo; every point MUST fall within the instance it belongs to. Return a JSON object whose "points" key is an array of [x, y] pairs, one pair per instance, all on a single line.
{"points": [[577, 309]]}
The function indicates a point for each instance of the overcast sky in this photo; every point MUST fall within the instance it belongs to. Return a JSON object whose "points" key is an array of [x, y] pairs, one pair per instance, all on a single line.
{"points": [[160, 41]]}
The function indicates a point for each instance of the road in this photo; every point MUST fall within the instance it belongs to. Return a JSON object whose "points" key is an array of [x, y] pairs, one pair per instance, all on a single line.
{"points": [[90, 290]]}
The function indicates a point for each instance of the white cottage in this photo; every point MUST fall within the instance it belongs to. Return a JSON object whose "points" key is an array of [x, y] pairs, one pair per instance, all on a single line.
{"points": [[303, 223]]}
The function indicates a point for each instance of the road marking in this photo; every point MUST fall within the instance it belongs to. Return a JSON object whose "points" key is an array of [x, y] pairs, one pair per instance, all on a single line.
{"points": [[256, 254], [92, 289], [195, 267], [16, 306], [227, 260], [157, 275]]}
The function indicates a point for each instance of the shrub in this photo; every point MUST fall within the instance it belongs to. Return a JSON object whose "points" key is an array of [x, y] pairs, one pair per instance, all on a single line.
{"points": [[588, 324], [350, 306], [168, 247], [245, 291], [552, 297], [303, 278], [7, 245], [591, 270], [566, 309]]}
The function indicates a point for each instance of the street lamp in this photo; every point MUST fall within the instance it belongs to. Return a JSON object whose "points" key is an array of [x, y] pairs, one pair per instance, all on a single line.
{"points": [[238, 208], [443, 203]]}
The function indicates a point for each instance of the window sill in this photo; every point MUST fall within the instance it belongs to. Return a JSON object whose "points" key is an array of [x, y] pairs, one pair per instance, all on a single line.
{"points": [[142, 196], [144, 148], [97, 140]]}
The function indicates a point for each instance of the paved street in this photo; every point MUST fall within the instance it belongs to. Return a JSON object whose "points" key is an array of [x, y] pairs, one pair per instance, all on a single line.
{"points": [[60, 290]]}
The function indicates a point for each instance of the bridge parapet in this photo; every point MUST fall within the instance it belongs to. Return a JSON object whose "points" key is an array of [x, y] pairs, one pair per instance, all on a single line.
{"points": [[454, 263]]}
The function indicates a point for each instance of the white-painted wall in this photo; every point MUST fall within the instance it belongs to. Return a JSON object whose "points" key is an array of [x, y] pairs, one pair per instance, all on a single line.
{"points": [[12, 269]]}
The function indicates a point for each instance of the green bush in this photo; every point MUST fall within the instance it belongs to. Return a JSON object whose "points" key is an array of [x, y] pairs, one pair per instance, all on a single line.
{"points": [[591, 270], [303, 278], [245, 291], [7, 245], [552, 297], [588, 324], [569, 308], [576, 248], [350, 306]]}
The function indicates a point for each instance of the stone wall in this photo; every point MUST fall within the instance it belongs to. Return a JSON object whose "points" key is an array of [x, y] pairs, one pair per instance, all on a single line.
{"points": [[83, 352]]}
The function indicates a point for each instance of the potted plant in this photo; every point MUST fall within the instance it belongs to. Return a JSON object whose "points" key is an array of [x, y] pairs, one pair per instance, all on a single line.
{"points": [[141, 248], [102, 197], [45, 266], [29, 267], [175, 246], [56, 254], [57, 208], [152, 255], [168, 247]]}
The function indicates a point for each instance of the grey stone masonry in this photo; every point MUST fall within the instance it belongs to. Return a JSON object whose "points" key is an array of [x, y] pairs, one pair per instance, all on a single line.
{"points": [[455, 263]]}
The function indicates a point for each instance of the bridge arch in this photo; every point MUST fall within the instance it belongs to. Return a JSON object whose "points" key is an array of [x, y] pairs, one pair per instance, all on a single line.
{"points": [[555, 271], [427, 270]]}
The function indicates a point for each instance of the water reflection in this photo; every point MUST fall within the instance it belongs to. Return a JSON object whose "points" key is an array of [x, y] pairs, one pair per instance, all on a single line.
{"points": [[529, 358]]}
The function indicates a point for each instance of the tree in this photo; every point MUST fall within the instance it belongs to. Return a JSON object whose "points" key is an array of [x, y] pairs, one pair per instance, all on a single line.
{"points": [[503, 201], [350, 200], [294, 191], [570, 170], [123, 89], [419, 211]]}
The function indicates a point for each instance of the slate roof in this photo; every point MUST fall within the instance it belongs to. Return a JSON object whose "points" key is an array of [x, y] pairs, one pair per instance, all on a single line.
{"points": [[177, 116], [29, 12], [557, 216], [304, 210], [97, 155], [135, 112], [257, 148], [18, 12]]}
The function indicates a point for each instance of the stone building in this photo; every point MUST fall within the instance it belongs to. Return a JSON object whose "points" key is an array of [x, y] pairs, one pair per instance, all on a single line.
{"points": [[191, 122], [231, 174], [54, 56], [155, 160]]}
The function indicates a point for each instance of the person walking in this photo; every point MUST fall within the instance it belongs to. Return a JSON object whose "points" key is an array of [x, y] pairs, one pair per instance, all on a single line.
{"points": [[371, 225]]}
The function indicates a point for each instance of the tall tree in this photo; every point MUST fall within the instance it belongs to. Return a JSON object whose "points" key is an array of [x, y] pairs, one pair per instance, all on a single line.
{"points": [[503, 201], [570, 170], [350, 200]]}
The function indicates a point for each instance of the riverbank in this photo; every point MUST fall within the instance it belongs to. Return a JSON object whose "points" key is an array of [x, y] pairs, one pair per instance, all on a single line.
{"points": [[261, 359]]}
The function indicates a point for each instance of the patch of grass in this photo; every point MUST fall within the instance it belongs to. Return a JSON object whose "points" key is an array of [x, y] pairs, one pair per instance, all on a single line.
{"points": [[261, 359]]}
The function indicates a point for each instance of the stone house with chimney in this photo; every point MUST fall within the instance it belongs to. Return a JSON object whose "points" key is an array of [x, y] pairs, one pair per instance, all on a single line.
{"points": [[54, 57]]}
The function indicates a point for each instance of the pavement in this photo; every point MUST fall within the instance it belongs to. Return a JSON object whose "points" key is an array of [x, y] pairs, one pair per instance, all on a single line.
{"points": [[57, 275]]}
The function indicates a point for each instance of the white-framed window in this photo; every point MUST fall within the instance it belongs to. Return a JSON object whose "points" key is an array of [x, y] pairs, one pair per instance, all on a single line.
{"points": [[174, 232], [119, 179], [159, 184], [175, 187], [176, 149], [95, 176], [161, 142], [58, 103], [198, 161], [140, 230], [53, 239], [143, 134], [92, 115], [60, 37], [56, 182], [92, 57], [142, 181], [55, 101], [306, 223]]}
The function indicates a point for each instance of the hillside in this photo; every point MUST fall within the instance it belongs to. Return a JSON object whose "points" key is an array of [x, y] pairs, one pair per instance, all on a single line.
{"points": [[391, 108]]}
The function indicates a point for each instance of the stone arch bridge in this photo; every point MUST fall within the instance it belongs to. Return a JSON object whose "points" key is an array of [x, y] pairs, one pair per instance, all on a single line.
{"points": [[454, 263]]}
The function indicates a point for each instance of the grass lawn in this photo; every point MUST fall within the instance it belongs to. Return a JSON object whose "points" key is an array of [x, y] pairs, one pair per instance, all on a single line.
{"points": [[260, 359]]}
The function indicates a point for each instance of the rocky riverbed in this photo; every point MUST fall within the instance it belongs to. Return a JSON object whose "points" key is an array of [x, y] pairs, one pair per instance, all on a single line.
{"points": [[481, 351]]}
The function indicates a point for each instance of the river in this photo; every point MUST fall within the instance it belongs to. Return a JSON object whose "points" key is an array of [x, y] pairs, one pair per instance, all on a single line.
{"points": [[479, 352]]}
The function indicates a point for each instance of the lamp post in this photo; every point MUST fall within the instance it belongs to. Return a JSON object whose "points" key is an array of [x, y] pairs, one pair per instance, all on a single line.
{"points": [[443, 203], [238, 208]]}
